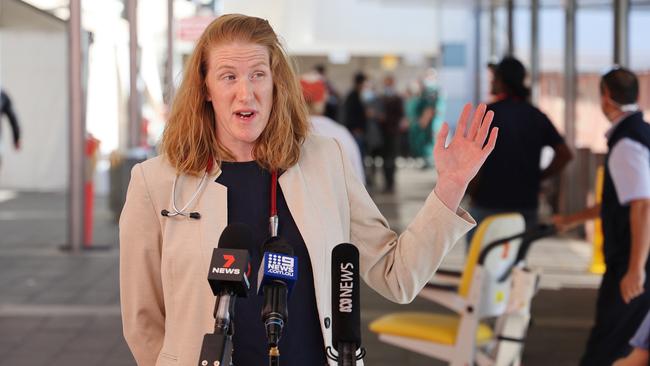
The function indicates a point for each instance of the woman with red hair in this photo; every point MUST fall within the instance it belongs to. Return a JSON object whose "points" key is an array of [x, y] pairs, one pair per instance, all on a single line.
{"points": [[238, 121]]}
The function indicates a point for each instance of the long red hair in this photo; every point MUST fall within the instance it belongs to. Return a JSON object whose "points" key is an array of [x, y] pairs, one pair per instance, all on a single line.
{"points": [[189, 141]]}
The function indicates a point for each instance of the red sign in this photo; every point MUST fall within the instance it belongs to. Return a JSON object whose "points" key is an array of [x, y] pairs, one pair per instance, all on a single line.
{"points": [[190, 29]]}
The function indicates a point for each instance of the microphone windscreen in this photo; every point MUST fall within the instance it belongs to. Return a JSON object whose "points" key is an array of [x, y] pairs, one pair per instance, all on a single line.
{"points": [[278, 245], [236, 236], [346, 312], [230, 263], [278, 264]]}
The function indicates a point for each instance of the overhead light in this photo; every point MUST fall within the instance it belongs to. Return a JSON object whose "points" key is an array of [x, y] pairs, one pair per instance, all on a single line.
{"points": [[389, 62]]}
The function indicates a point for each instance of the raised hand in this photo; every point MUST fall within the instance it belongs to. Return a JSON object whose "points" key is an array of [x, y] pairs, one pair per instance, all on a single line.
{"points": [[458, 162]]}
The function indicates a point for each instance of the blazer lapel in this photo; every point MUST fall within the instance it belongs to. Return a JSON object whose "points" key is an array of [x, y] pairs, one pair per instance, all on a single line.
{"points": [[309, 223]]}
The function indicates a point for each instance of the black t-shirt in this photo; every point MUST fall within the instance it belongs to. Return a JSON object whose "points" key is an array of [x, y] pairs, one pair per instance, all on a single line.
{"points": [[510, 177], [302, 340], [354, 112]]}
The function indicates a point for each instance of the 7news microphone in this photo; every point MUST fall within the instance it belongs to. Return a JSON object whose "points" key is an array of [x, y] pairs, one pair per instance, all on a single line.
{"points": [[346, 307], [277, 274], [228, 278]]}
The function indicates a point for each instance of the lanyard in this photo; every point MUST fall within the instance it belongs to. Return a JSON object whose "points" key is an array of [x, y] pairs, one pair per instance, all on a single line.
{"points": [[273, 217]]}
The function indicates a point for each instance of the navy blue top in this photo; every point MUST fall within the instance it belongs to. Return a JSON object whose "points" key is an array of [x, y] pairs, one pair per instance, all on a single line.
{"points": [[302, 340], [510, 177]]}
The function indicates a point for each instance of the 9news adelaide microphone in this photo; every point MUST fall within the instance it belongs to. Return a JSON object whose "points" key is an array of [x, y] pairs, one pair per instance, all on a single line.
{"points": [[277, 274], [228, 278], [346, 307]]}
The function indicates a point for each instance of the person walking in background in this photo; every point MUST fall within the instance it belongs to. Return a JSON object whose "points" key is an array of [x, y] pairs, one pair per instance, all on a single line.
{"points": [[404, 126], [423, 111], [354, 111], [6, 108], [411, 112], [624, 296], [390, 116], [333, 98], [373, 139], [315, 92], [511, 178], [433, 89]]}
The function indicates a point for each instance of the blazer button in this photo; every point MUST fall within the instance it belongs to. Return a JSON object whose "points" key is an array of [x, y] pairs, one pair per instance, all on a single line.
{"points": [[327, 323]]}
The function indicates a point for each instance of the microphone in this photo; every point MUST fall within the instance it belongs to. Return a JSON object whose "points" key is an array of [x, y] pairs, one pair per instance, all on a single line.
{"points": [[277, 275], [346, 309], [228, 278]]}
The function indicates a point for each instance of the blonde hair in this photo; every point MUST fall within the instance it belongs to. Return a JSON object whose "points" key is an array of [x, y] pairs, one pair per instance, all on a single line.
{"points": [[190, 142]]}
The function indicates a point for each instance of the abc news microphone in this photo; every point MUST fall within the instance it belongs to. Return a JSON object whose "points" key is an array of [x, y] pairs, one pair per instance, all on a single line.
{"points": [[346, 307], [277, 275], [228, 278]]}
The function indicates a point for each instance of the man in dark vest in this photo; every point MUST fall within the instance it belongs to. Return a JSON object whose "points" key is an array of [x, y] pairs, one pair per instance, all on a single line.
{"points": [[624, 294]]}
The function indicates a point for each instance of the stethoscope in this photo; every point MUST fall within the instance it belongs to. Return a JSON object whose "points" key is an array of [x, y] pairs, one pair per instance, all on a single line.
{"points": [[274, 220]]}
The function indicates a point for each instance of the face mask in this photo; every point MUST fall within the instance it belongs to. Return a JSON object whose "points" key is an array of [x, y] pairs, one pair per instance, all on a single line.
{"points": [[629, 108], [389, 92], [430, 83], [367, 95]]}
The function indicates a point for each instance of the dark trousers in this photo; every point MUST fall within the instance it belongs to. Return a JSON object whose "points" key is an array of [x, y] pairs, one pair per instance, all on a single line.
{"points": [[616, 322], [388, 154]]}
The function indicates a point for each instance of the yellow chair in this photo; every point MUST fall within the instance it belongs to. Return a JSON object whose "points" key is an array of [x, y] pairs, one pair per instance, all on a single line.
{"points": [[482, 292]]}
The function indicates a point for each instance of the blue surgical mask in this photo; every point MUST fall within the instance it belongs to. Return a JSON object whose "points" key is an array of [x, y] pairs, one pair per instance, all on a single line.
{"points": [[390, 92], [367, 95]]}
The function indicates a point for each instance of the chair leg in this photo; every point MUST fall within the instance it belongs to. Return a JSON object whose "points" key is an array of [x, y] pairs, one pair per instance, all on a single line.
{"points": [[482, 359]]}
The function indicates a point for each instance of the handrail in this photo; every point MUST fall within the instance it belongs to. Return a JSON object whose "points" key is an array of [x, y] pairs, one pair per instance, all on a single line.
{"points": [[528, 237]]}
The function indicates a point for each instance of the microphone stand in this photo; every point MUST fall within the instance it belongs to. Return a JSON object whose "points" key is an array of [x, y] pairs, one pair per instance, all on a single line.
{"points": [[224, 309], [218, 346], [274, 314], [274, 356], [347, 354]]}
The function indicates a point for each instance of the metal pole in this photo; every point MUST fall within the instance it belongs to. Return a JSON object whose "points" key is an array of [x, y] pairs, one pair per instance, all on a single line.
{"points": [[621, 45], [477, 53], [511, 27], [534, 50], [169, 92], [134, 97], [76, 217], [570, 188], [493, 31], [570, 71], [1, 42]]}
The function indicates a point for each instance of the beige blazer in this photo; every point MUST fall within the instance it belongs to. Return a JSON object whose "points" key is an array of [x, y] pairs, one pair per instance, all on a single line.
{"points": [[166, 301]]}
